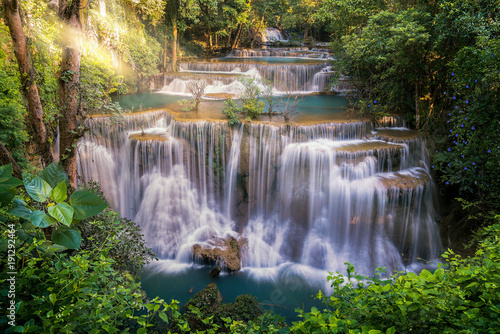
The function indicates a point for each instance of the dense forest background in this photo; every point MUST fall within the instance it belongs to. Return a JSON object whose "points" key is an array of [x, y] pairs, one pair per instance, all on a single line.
{"points": [[436, 63]]}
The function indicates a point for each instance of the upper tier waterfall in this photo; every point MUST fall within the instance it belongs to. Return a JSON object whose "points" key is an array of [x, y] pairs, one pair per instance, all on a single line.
{"points": [[288, 69], [314, 196]]}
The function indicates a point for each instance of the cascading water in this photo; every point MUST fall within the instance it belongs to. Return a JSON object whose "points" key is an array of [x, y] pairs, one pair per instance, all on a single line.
{"points": [[273, 35], [302, 196]]}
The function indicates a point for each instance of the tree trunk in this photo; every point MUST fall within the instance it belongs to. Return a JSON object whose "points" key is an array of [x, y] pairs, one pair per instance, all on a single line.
{"points": [[229, 38], [69, 87], [174, 46], [236, 39], [29, 87], [257, 32], [165, 55], [305, 33], [6, 158]]}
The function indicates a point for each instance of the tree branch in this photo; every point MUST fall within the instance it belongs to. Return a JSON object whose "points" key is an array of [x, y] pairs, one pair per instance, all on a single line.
{"points": [[6, 158]]}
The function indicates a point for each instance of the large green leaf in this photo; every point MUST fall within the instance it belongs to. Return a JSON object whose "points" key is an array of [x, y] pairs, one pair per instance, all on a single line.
{"points": [[86, 204], [6, 170], [40, 219], [21, 212], [54, 174], [60, 193], [36, 187], [68, 237], [8, 182], [62, 212], [50, 247], [7, 197]]}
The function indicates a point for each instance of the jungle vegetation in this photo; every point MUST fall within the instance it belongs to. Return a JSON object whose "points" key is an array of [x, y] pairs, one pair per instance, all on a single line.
{"points": [[436, 63]]}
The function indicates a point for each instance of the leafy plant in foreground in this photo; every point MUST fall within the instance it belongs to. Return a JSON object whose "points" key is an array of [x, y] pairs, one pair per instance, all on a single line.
{"points": [[50, 208], [462, 296]]}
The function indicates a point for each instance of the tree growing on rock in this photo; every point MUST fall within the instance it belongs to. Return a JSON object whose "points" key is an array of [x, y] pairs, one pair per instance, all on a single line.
{"points": [[288, 105], [197, 90]]}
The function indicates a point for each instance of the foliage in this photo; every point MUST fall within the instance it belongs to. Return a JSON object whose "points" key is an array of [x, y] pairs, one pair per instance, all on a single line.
{"points": [[141, 53], [461, 297], [205, 312], [231, 111], [51, 210], [344, 17], [127, 246], [252, 106], [12, 128], [387, 61], [67, 291], [468, 160]]}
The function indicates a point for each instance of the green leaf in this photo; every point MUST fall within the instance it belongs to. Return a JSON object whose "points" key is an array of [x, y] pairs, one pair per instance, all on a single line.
{"points": [[48, 246], [8, 182], [7, 197], [17, 329], [60, 192], [163, 317], [54, 174], [142, 331], [6, 170], [36, 187], [40, 219], [86, 204], [62, 212], [69, 237], [4, 245], [21, 212], [391, 330], [53, 298]]}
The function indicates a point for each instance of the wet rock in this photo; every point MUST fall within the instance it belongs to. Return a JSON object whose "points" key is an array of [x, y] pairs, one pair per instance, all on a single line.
{"points": [[227, 252], [215, 271]]}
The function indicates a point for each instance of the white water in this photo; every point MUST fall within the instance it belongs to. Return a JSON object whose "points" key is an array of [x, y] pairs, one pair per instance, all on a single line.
{"points": [[306, 198], [303, 197], [273, 35]]}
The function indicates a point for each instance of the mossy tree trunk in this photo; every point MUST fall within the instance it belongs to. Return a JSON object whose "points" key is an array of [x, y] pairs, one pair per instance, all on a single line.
{"points": [[174, 46], [71, 118], [29, 87]]}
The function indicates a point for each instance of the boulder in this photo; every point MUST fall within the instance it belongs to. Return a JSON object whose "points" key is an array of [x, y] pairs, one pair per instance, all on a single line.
{"points": [[227, 253]]}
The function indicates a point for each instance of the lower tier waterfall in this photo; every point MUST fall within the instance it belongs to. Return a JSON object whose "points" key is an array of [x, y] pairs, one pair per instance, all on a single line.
{"points": [[305, 196]]}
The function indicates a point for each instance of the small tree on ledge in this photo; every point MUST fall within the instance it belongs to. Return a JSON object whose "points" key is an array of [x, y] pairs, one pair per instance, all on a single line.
{"points": [[197, 90], [288, 105]]}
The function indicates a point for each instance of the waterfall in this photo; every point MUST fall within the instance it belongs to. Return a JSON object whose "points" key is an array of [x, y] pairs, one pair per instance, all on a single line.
{"points": [[273, 35], [302, 52], [314, 196], [284, 77]]}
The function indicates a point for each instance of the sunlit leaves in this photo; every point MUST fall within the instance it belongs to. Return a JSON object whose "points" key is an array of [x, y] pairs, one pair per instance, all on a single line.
{"points": [[60, 192], [62, 212], [37, 188]]}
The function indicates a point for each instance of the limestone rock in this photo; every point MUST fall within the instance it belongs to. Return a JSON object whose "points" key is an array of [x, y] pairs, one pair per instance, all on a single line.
{"points": [[227, 252]]}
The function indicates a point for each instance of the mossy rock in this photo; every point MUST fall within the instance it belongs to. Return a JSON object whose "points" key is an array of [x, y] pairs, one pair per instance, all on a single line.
{"points": [[208, 303]]}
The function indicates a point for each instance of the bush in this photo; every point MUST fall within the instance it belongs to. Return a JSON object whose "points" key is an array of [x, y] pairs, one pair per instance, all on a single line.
{"points": [[252, 106], [231, 111], [58, 286], [462, 296]]}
